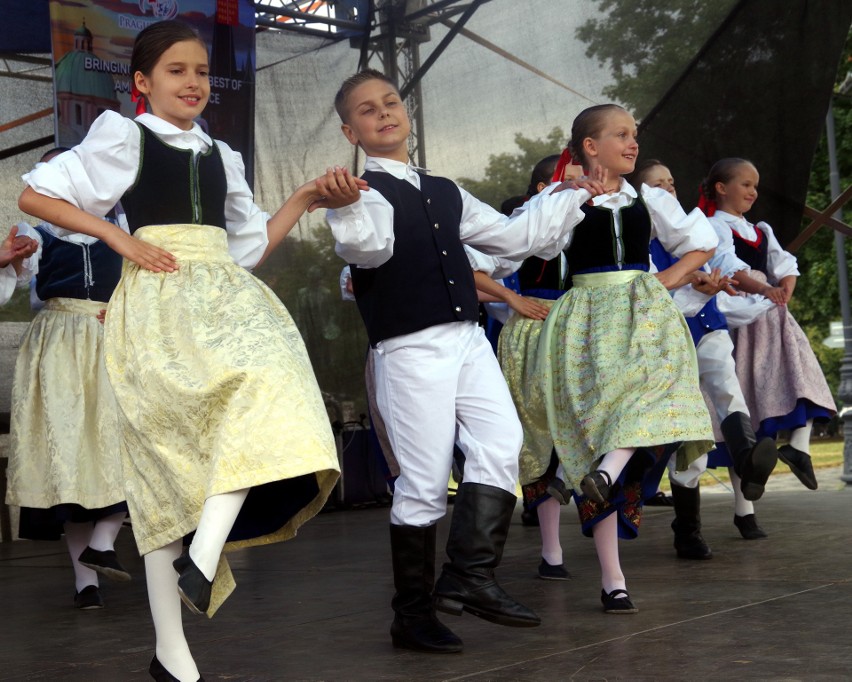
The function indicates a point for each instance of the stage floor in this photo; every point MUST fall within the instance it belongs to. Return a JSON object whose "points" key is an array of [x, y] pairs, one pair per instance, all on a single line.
{"points": [[317, 607]]}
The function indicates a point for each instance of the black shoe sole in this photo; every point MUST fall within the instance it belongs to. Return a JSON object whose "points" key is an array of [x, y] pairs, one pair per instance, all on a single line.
{"points": [[762, 461], [806, 478], [590, 490], [456, 608], [399, 643], [111, 573]]}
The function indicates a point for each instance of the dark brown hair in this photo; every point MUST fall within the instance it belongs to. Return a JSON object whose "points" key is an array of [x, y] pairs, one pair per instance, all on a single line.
{"points": [[588, 123], [340, 99], [722, 171], [155, 39], [542, 172], [637, 177]]}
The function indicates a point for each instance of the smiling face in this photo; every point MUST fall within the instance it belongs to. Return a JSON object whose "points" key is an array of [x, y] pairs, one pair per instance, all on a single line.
{"points": [[377, 120], [659, 176], [615, 147], [178, 86], [738, 195]]}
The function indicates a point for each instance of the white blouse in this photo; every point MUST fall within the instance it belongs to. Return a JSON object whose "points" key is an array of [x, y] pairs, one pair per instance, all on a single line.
{"points": [[94, 175], [780, 263]]}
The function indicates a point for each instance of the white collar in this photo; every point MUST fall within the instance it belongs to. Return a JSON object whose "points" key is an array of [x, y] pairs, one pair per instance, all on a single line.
{"points": [[731, 218], [398, 169], [157, 125], [623, 188]]}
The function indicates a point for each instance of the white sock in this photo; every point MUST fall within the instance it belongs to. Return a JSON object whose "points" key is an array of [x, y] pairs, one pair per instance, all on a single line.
{"points": [[614, 462], [161, 578], [217, 519], [106, 531], [606, 544], [801, 438], [77, 537], [548, 521], [742, 506]]}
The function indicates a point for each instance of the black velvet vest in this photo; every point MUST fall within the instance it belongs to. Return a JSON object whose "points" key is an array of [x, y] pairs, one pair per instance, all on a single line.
{"points": [[536, 273], [428, 280], [594, 245], [84, 271], [755, 254], [173, 187]]}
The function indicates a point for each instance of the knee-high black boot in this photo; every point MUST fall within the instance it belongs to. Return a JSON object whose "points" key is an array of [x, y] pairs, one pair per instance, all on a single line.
{"points": [[688, 541], [415, 625], [477, 536], [753, 460]]}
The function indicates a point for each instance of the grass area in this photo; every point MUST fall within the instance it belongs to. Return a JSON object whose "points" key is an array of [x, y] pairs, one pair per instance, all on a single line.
{"points": [[825, 453]]}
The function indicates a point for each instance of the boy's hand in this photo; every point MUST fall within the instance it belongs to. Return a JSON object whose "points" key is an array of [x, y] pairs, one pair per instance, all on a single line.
{"points": [[16, 248], [337, 188]]}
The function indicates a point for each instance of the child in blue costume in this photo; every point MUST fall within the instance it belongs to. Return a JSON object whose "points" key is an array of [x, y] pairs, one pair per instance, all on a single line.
{"points": [[225, 434], [754, 458], [71, 485], [437, 380]]}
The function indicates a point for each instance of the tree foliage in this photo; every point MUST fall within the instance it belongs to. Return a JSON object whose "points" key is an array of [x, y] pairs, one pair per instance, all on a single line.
{"points": [[508, 175], [816, 301], [648, 43]]}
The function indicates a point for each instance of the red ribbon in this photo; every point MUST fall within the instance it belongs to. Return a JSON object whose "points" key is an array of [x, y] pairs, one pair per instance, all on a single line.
{"points": [[139, 98], [564, 160], [707, 206]]}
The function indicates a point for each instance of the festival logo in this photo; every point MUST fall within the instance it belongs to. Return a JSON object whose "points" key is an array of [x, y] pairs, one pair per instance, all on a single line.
{"points": [[161, 9]]}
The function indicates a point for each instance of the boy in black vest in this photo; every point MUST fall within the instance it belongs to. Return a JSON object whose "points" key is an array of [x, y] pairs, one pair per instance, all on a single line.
{"points": [[437, 380]]}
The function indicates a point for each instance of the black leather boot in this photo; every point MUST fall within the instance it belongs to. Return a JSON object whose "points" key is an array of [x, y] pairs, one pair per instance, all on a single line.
{"points": [[415, 625], [753, 460], [688, 541], [477, 536]]}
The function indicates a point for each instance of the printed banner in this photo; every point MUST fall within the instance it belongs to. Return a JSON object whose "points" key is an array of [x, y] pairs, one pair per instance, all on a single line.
{"points": [[92, 43]]}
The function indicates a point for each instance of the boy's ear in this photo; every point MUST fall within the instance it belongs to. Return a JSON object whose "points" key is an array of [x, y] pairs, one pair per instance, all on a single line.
{"points": [[349, 133]]}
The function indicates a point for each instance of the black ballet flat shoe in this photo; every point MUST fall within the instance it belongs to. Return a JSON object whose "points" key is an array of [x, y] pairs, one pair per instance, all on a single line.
{"points": [[548, 571], [88, 598], [104, 562], [659, 499], [158, 671], [597, 486], [800, 464], [618, 605], [193, 586], [748, 527], [557, 490]]}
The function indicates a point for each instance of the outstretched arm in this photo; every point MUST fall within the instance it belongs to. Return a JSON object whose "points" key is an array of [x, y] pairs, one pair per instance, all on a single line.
{"points": [[338, 187], [66, 215], [681, 273]]}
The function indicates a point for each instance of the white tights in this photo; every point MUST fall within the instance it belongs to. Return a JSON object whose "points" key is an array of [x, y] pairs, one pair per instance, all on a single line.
{"points": [[801, 438], [606, 544], [742, 506], [217, 519], [548, 521], [100, 536], [614, 462]]}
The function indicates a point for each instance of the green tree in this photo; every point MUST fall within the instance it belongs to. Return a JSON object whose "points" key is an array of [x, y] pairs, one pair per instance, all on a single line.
{"points": [[816, 301], [648, 43], [508, 175]]}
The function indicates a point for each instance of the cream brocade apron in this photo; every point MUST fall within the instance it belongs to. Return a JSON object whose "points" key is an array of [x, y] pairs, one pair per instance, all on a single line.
{"points": [[215, 390]]}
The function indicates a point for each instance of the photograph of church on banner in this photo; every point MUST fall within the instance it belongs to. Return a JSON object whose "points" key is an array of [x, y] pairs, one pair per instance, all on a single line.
{"points": [[92, 42]]}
